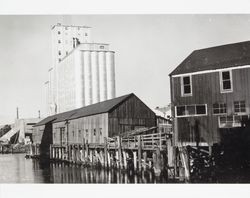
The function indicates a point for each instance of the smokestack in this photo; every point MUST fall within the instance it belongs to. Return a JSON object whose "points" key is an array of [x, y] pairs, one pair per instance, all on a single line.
{"points": [[17, 113]]}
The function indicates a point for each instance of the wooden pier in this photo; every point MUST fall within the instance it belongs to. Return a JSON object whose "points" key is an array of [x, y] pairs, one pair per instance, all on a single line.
{"points": [[131, 152]]}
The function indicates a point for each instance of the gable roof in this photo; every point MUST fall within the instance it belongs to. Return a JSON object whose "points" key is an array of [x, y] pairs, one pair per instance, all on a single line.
{"points": [[224, 56], [97, 108]]}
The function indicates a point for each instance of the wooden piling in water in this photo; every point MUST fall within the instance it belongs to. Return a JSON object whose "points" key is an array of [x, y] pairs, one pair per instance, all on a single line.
{"points": [[139, 153], [105, 152], [124, 159], [135, 160], [144, 160], [119, 152]]}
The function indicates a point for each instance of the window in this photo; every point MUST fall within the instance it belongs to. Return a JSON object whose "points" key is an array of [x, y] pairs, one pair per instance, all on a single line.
{"points": [[59, 41], [59, 59], [191, 110], [59, 52], [100, 131], [231, 121], [186, 86], [62, 139], [87, 133], [94, 132], [59, 32], [86, 34], [239, 106], [226, 81], [219, 108], [101, 47]]}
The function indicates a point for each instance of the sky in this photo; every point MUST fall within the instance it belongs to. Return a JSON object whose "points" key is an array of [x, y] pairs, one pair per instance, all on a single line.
{"points": [[147, 48]]}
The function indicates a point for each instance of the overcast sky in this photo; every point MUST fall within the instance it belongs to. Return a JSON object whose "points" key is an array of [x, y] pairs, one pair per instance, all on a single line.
{"points": [[148, 48]]}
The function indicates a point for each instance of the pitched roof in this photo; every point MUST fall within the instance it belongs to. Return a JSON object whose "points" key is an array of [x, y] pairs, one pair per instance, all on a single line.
{"points": [[224, 56], [97, 108]]}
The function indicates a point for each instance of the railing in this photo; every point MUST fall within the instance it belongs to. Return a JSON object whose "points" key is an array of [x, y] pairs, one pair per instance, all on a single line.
{"points": [[148, 141]]}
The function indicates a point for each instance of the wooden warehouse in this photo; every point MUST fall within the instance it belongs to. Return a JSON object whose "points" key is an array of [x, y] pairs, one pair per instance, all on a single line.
{"points": [[210, 93], [94, 122]]}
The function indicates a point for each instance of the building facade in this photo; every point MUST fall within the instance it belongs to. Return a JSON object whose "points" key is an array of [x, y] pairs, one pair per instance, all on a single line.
{"points": [[94, 122], [210, 93], [83, 72]]}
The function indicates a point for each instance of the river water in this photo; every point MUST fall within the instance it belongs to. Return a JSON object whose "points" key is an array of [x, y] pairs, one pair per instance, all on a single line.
{"points": [[14, 168]]}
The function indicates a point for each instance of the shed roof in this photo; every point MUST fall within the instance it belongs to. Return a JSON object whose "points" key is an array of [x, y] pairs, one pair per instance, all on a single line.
{"points": [[97, 108], [224, 56]]}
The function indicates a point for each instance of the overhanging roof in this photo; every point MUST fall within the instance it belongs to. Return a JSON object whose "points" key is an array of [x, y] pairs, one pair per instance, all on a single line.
{"points": [[97, 108], [219, 57]]}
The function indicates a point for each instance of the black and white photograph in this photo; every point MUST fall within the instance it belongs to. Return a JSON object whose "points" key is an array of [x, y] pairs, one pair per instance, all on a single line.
{"points": [[125, 99]]}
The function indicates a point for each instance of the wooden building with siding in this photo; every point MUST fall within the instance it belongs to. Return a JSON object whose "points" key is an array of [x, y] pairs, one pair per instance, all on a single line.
{"points": [[210, 94], [94, 122]]}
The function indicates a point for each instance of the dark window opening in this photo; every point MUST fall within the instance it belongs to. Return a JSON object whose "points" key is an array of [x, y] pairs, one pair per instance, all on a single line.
{"points": [[180, 110], [186, 83], [239, 106], [219, 108], [226, 81], [200, 109]]}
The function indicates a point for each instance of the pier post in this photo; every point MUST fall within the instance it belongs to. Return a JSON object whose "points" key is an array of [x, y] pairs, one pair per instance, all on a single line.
{"points": [[145, 160], [105, 152], [87, 150], [139, 153], [31, 151], [83, 151], [125, 159], [108, 157], [135, 160], [119, 152], [50, 151]]}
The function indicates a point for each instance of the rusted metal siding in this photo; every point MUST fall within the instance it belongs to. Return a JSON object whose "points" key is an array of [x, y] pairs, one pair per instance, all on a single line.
{"points": [[82, 129], [206, 90], [129, 115]]}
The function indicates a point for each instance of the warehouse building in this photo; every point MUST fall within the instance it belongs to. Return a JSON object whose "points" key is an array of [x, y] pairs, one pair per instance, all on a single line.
{"points": [[210, 95], [94, 122]]}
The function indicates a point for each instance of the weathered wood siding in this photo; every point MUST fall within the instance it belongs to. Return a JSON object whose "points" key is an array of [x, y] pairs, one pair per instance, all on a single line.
{"points": [[129, 115], [78, 130], [38, 134], [206, 90]]}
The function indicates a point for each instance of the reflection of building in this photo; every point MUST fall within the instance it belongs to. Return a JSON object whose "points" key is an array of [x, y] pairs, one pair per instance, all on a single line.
{"points": [[210, 93], [95, 122], [83, 72]]}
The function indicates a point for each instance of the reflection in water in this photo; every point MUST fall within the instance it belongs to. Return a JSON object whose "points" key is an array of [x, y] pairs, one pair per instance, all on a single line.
{"points": [[14, 168]]}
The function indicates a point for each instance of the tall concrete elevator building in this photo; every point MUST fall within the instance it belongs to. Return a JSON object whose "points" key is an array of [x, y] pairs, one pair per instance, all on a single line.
{"points": [[83, 72]]}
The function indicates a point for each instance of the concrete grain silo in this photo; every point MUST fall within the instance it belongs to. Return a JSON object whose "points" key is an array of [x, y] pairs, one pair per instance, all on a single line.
{"points": [[83, 71]]}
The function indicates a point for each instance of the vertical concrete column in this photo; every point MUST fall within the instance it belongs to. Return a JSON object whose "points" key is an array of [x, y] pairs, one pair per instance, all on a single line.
{"points": [[110, 66], [79, 84], [102, 75], [95, 77], [87, 77]]}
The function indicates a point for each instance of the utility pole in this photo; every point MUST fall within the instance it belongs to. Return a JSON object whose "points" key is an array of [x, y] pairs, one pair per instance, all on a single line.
{"points": [[17, 113]]}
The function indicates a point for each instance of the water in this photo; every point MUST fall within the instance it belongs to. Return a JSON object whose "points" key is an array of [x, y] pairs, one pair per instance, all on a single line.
{"points": [[14, 168]]}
